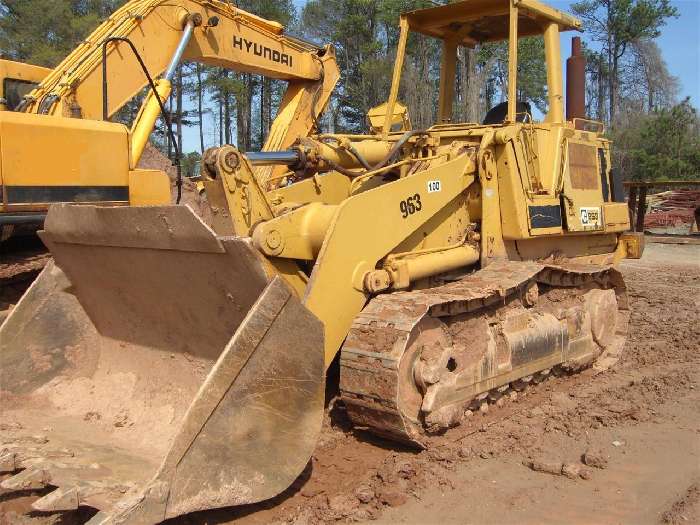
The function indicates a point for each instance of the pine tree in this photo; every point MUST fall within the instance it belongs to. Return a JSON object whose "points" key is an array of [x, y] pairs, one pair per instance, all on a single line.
{"points": [[43, 32], [615, 25]]}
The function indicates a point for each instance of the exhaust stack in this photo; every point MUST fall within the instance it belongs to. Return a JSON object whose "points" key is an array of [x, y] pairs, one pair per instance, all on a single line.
{"points": [[576, 81]]}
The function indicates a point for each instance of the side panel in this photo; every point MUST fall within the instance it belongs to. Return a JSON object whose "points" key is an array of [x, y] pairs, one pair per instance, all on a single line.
{"points": [[512, 191], [52, 159], [583, 194]]}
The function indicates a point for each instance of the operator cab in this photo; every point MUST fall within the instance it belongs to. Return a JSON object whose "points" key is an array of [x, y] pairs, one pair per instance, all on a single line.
{"points": [[16, 81], [474, 22]]}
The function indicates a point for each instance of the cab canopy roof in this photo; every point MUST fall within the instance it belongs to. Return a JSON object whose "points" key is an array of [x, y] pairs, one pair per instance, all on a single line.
{"points": [[475, 21]]}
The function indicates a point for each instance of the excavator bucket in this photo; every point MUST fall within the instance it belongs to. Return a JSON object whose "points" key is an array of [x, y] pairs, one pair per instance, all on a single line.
{"points": [[156, 370]]}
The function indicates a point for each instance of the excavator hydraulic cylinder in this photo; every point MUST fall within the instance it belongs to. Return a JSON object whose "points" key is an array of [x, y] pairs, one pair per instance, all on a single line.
{"points": [[326, 156], [146, 121], [150, 110]]}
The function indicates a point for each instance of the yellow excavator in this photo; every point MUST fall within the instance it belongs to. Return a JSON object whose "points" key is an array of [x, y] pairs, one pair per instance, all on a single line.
{"points": [[17, 80], [58, 144], [176, 367]]}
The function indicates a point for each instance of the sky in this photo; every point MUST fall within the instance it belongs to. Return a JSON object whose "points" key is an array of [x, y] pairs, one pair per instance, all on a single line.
{"points": [[679, 43]]}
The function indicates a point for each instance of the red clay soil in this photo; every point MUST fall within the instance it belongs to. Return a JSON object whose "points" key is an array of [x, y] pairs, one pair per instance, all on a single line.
{"points": [[618, 447]]}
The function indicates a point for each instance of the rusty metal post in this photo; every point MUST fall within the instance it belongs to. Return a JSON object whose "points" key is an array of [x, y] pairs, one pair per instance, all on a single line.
{"points": [[641, 208], [576, 81], [632, 205]]}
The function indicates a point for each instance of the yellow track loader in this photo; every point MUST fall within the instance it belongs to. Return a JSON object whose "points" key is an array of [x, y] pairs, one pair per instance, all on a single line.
{"points": [[59, 145], [162, 366]]}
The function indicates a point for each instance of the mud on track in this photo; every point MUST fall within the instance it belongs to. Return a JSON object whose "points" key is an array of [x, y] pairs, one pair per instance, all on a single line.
{"points": [[641, 420]]}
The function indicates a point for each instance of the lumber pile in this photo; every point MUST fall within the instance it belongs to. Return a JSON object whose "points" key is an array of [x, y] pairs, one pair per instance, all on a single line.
{"points": [[671, 208]]}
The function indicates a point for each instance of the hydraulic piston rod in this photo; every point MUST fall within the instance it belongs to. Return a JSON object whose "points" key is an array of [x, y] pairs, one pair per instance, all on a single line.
{"points": [[273, 158], [150, 110]]}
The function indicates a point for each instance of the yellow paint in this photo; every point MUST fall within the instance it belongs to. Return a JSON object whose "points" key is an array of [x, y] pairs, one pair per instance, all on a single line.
{"points": [[358, 239], [146, 119], [555, 85], [39, 150], [149, 188], [512, 62], [21, 72]]}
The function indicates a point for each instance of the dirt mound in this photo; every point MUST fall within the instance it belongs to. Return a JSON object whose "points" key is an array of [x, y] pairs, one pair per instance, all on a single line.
{"points": [[154, 159], [686, 509]]}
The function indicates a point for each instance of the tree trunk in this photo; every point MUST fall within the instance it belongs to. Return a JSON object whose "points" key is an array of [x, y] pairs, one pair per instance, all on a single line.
{"points": [[614, 88], [200, 111], [227, 109], [221, 119], [249, 114], [167, 128], [474, 87], [600, 109], [243, 115]]}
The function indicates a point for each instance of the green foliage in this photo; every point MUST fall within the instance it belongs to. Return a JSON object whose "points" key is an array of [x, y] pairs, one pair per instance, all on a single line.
{"points": [[43, 32], [615, 25], [532, 71], [190, 164], [618, 22], [358, 29], [668, 145]]}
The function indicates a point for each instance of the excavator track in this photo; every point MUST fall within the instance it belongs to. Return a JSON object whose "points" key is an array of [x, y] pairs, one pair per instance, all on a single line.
{"points": [[415, 362]]}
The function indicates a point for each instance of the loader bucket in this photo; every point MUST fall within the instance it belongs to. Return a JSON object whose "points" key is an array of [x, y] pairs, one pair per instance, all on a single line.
{"points": [[156, 370]]}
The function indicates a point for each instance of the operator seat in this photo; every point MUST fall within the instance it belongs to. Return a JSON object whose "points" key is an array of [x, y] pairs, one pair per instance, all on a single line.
{"points": [[498, 114]]}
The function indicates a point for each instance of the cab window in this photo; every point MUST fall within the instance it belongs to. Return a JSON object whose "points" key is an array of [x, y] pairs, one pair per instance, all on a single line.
{"points": [[15, 90]]}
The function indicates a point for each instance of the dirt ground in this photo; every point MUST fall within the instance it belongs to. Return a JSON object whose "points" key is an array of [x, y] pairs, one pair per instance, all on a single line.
{"points": [[621, 447]]}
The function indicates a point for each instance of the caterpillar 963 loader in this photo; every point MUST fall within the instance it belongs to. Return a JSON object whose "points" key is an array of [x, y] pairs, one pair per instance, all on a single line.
{"points": [[178, 367], [57, 144]]}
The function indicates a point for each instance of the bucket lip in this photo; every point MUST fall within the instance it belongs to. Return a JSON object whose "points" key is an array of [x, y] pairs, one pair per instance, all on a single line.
{"points": [[146, 227]]}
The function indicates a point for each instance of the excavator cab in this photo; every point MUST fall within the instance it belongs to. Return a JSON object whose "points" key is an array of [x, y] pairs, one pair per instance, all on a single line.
{"points": [[16, 81]]}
